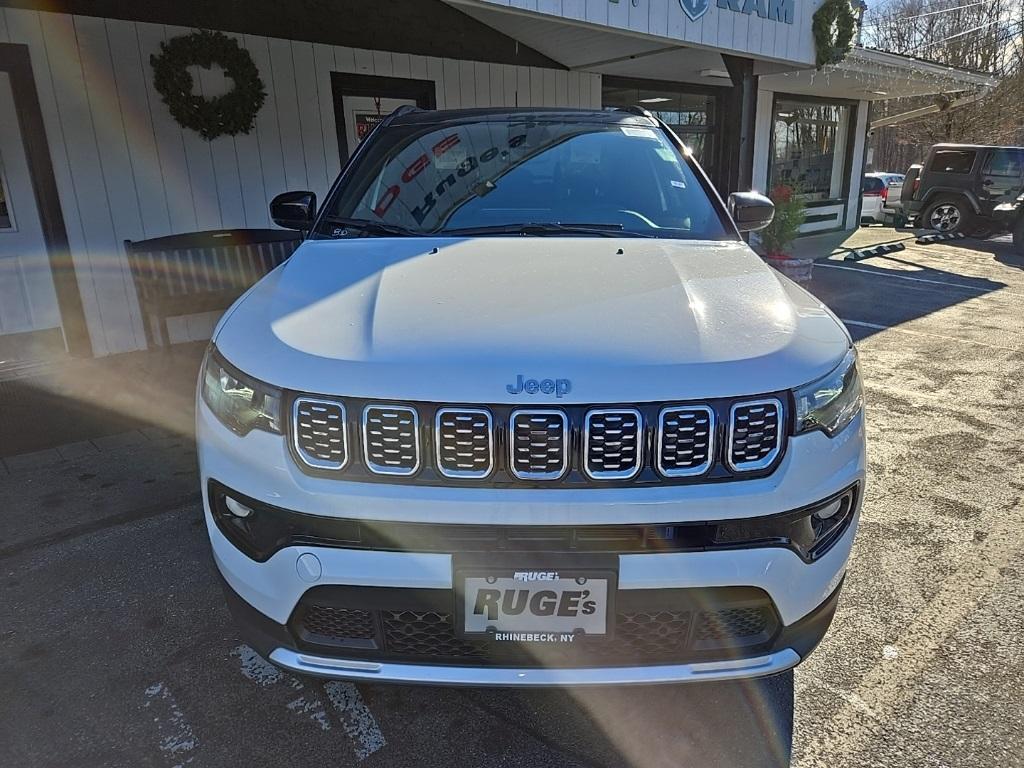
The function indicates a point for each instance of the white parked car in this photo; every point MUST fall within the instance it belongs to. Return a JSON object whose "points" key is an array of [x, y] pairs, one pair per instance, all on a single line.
{"points": [[524, 409], [881, 196]]}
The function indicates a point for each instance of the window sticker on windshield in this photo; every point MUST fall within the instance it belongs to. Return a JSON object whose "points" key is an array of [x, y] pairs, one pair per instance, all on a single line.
{"points": [[677, 184], [639, 133]]}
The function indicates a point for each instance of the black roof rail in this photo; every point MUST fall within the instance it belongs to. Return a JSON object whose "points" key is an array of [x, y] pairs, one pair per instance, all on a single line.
{"points": [[405, 109], [636, 110]]}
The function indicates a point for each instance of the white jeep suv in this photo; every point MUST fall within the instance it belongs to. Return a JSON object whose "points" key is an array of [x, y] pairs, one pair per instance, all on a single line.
{"points": [[525, 409]]}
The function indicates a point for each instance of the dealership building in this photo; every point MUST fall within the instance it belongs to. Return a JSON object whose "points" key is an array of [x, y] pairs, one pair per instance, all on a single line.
{"points": [[91, 157]]}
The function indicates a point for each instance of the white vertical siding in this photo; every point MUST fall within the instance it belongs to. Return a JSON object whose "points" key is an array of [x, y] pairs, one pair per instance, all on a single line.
{"points": [[126, 170]]}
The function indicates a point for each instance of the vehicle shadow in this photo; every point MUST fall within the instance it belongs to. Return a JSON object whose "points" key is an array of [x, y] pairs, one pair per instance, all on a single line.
{"points": [[1000, 248], [742, 724], [888, 290]]}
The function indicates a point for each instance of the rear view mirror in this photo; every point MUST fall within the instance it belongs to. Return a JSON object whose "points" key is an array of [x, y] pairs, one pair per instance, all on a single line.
{"points": [[294, 210], [751, 211]]}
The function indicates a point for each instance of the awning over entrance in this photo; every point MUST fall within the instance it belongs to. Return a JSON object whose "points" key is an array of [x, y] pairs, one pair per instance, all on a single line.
{"points": [[597, 34], [870, 75], [627, 41]]}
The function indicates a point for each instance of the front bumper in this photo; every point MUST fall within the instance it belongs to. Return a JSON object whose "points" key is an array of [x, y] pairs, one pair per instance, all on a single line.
{"points": [[266, 595], [275, 642]]}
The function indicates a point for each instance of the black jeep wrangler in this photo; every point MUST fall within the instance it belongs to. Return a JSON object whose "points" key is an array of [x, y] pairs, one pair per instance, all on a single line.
{"points": [[960, 185]]}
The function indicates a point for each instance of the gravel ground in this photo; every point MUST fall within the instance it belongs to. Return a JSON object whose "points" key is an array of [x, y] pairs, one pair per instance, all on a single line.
{"points": [[116, 648]]}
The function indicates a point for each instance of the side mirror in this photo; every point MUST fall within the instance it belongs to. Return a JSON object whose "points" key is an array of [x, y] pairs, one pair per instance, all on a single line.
{"points": [[294, 210], [751, 211]]}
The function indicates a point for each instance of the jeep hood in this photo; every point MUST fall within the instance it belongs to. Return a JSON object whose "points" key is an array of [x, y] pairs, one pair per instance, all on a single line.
{"points": [[456, 320]]}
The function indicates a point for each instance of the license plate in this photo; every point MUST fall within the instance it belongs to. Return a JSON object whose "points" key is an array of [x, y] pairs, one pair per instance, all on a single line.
{"points": [[535, 606]]}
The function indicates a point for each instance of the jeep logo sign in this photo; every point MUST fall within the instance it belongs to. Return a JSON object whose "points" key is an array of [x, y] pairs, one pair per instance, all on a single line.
{"points": [[556, 387]]}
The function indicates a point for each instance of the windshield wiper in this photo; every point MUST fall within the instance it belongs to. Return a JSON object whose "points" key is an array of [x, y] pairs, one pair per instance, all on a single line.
{"points": [[375, 227], [540, 228]]}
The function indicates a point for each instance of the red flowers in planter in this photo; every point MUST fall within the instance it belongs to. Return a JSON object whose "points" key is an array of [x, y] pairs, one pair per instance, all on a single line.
{"points": [[781, 194]]}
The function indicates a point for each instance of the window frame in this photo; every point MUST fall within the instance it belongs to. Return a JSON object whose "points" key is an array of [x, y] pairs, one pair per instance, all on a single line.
{"points": [[986, 168], [5, 197]]}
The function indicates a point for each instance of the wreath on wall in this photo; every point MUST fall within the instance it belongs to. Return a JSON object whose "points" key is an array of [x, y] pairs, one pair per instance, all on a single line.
{"points": [[229, 114], [834, 27]]}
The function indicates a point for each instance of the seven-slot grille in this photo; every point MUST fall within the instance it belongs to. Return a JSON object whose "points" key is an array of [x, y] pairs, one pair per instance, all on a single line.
{"points": [[686, 438], [464, 439], [755, 434], [320, 434], [391, 443], [547, 444], [612, 448], [539, 444]]}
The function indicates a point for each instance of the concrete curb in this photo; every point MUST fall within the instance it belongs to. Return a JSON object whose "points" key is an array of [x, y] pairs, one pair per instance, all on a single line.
{"points": [[938, 237], [878, 250]]}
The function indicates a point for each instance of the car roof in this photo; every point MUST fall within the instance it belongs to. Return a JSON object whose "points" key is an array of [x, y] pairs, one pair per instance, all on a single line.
{"points": [[973, 146], [414, 116]]}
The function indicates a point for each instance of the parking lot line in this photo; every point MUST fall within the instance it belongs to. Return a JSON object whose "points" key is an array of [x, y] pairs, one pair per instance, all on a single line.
{"points": [[878, 327], [177, 740], [356, 718], [946, 283]]}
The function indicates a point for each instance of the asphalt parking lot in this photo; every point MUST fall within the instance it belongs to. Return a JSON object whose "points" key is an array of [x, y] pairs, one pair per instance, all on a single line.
{"points": [[116, 648]]}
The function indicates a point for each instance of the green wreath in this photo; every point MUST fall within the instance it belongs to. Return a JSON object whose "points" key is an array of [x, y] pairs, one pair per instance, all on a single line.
{"points": [[834, 26], [230, 114]]}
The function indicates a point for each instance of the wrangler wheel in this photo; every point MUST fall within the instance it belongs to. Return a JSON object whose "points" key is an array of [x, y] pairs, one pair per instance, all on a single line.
{"points": [[947, 214]]}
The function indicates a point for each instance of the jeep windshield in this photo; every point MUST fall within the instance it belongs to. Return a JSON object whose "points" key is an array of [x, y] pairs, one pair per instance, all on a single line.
{"points": [[517, 177]]}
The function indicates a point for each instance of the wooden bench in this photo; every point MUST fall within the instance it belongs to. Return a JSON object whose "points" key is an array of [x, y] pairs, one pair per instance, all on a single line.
{"points": [[201, 271]]}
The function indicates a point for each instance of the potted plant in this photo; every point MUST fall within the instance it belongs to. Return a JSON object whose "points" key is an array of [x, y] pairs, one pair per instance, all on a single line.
{"points": [[778, 236]]}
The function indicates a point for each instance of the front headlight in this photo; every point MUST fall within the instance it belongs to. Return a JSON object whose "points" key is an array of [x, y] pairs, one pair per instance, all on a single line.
{"points": [[240, 402], [830, 403]]}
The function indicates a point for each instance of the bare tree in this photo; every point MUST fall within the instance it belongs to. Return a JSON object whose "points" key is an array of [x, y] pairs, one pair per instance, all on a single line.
{"points": [[981, 35]]}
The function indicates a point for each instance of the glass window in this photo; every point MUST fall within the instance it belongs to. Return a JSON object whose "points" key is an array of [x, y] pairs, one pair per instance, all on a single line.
{"points": [[690, 115], [1005, 162], [494, 173], [872, 184], [6, 221], [953, 161], [809, 148]]}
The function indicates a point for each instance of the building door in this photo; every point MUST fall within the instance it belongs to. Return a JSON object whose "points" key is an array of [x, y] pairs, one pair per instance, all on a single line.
{"points": [[362, 101], [30, 321]]}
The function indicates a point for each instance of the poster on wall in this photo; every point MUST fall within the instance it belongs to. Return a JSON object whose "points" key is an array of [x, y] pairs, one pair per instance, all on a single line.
{"points": [[366, 122]]}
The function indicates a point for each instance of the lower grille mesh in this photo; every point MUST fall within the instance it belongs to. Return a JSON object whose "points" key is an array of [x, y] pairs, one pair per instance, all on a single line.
{"points": [[424, 633], [339, 623], [732, 626], [638, 636]]}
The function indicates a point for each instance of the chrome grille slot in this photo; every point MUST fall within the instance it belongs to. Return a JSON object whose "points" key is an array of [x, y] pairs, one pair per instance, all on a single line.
{"points": [[391, 439], [612, 446], [464, 439], [319, 433], [538, 444], [686, 440], [755, 434]]}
